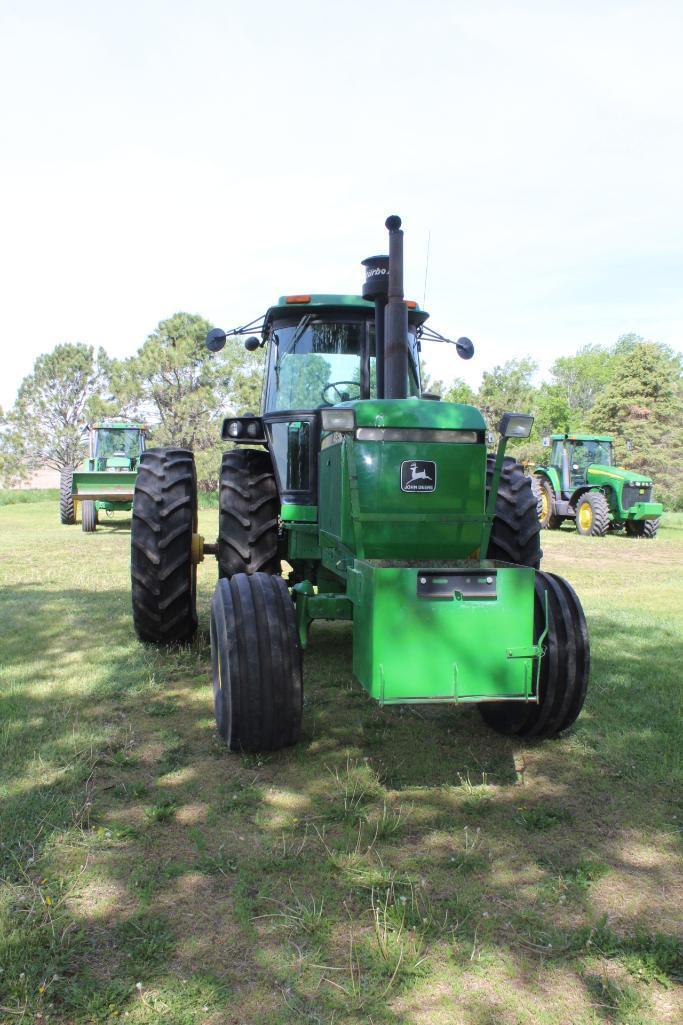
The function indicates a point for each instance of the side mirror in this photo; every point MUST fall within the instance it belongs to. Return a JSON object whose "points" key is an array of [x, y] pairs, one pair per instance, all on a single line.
{"points": [[252, 343], [465, 348], [215, 340]]}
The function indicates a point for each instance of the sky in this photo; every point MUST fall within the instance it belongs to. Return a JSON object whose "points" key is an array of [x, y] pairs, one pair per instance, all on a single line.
{"points": [[211, 156]]}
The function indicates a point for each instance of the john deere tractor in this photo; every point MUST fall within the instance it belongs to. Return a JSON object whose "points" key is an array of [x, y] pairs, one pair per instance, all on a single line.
{"points": [[385, 511], [106, 480], [583, 484]]}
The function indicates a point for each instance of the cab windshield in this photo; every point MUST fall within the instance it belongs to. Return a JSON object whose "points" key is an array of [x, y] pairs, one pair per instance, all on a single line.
{"points": [[118, 441], [315, 362], [586, 452]]}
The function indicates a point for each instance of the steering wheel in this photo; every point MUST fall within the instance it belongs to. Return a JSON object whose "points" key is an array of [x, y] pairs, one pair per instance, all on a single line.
{"points": [[341, 396]]}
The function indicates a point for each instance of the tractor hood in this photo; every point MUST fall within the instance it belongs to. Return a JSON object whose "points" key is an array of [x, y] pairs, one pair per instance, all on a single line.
{"points": [[416, 413], [596, 472]]}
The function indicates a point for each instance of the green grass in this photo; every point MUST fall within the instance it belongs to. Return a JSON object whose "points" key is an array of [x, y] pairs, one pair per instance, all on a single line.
{"points": [[28, 496], [399, 866]]}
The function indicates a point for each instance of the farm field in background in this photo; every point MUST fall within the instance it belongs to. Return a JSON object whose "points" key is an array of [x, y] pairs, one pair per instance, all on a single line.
{"points": [[403, 866]]}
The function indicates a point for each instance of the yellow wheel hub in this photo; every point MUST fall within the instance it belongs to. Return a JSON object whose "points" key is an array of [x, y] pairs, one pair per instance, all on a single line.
{"points": [[197, 549], [544, 505], [585, 515]]}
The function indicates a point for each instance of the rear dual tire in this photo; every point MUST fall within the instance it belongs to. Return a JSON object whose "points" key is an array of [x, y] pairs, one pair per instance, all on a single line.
{"points": [[67, 510], [515, 531], [642, 528], [257, 681], [163, 571], [564, 669]]}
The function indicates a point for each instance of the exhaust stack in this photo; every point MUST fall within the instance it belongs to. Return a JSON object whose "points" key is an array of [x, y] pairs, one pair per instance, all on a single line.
{"points": [[396, 319]]}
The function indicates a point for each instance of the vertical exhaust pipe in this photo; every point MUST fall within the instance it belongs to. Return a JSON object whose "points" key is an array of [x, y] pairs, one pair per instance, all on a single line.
{"points": [[376, 289], [396, 330]]}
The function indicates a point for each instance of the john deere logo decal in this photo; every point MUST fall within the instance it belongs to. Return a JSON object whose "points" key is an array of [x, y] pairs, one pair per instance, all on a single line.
{"points": [[418, 475]]}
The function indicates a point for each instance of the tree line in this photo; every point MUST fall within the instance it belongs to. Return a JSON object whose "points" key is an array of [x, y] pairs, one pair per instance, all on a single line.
{"points": [[632, 390]]}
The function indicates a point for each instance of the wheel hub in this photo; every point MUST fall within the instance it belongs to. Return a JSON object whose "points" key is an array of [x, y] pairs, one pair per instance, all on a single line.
{"points": [[585, 515]]}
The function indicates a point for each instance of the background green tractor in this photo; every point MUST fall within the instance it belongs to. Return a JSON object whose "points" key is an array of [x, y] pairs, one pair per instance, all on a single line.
{"points": [[106, 479], [582, 483], [384, 509]]}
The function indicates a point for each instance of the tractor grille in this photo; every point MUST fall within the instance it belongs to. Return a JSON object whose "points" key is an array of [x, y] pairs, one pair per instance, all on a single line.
{"points": [[631, 495]]}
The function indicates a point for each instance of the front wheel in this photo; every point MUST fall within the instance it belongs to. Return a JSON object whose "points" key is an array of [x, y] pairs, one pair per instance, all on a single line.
{"points": [[642, 528], [163, 570], [257, 685], [564, 669], [592, 514], [88, 517]]}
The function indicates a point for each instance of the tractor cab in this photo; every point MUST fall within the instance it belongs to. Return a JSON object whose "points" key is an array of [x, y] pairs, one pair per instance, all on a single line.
{"points": [[116, 444], [572, 455]]}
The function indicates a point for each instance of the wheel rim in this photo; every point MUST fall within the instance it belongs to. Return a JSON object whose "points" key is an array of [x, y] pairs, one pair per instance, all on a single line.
{"points": [[544, 505], [585, 516]]}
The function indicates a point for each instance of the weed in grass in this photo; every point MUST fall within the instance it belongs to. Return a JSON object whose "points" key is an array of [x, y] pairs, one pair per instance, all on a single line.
{"points": [[146, 940], [162, 709], [218, 863], [355, 785], [388, 823], [299, 914], [542, 817], [162, 810], [176, 754]]}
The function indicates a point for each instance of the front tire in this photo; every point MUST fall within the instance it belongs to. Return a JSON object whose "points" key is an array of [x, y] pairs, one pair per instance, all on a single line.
{"points": [[642, 528], [88, 517], [515, 532], [592, 514], [163, 571], [67, 511], [248, 519], [257, 684], [564, 669]]}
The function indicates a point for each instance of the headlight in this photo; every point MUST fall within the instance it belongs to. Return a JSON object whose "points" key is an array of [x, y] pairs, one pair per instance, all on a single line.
{"points": [[338, 419], [253, 429], [234, 429], [516, 425]]}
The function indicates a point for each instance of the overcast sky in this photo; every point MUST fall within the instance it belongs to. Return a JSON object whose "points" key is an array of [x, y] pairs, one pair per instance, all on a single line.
{"points": [[210, 156]]}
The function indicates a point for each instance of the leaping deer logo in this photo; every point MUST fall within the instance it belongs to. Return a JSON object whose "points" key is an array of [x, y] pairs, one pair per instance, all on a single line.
{"points": [[418, 474]]}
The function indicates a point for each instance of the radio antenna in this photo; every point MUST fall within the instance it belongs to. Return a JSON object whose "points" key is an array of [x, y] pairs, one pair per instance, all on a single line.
{"points": [[424, 294]]}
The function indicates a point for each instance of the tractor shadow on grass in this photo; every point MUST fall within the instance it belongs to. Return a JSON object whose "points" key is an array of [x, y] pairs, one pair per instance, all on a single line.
{"points": [[211, 867]]}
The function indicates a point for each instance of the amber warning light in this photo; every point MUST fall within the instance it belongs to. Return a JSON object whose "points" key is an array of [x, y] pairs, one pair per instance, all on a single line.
{"points": [[298, 299]]}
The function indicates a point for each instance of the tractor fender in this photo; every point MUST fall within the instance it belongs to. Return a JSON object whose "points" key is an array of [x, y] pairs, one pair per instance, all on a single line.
{"points": [[578, 492], [551, 475]]}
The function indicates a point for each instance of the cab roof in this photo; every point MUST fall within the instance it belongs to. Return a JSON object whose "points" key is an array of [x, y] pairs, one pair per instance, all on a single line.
{"points": [[581, 437], [119, 422], [333, 302]]}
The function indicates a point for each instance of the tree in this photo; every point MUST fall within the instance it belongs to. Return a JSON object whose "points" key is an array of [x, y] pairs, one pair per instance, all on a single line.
{"points": [[507, 388], [54, 402], [643, 405], [460, 391], [185, 391], [582, 377]]}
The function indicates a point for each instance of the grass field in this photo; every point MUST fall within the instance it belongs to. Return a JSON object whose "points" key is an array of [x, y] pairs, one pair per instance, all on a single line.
{"points": [[399, 866]]}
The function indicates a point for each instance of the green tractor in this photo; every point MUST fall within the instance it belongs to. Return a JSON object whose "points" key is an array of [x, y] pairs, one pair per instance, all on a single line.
{"points": [[106, 479], [384, 509], [582, 483]]}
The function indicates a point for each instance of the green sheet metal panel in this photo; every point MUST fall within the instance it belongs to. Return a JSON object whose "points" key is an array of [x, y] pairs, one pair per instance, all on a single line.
{"points": [[107, 486], [413, 649]]}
